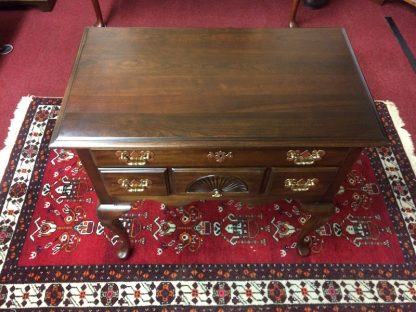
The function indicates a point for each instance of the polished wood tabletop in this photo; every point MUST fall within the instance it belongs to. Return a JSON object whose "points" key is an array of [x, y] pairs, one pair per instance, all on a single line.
{"points": [[167, 86]]}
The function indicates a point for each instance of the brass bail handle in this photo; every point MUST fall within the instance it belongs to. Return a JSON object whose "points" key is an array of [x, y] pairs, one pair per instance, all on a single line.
{"points": [[135, 186], [305, 158], [301, 185], [135, 158]]}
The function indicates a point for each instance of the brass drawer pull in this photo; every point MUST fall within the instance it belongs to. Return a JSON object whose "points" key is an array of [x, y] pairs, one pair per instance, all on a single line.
{"points": [[135, 186], [220, 156], [216, 193], [135, 158], [305, 158], [301, 185]]}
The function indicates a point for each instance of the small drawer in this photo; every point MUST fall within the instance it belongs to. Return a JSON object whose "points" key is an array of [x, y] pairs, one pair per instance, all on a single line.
{"points": [[216, 182], [221, 157], [301, 182], [124, 184]]}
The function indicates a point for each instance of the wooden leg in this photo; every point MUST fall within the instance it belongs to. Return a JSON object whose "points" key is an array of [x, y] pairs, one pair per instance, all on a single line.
{"points": [[109, 216], [295, 6], [47, 6], [320, 214], [99, 16]]}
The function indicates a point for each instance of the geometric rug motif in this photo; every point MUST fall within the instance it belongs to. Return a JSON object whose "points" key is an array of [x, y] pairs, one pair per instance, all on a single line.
{"points": [[204, 255], [64, 226]]}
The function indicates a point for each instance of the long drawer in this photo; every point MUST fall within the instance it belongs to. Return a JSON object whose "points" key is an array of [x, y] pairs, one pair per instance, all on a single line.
{"points": [[224, 157], [126, 184], [217, 182], [301, 182]]}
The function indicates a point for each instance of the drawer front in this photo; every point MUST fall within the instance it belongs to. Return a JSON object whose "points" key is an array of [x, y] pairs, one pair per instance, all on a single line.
{"points": [[125, 184], [224, 157], [301, 182], [216, 182]]}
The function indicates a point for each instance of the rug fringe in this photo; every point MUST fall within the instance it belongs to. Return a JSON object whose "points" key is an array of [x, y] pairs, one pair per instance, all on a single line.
{"points": [[404, 135], [14, 128]]}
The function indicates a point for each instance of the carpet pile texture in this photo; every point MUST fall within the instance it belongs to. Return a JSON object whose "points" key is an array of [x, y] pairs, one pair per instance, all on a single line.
{"points": [[215, 255]]}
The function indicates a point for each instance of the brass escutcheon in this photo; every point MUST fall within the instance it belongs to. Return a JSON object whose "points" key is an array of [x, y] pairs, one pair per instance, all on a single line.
{"points": [[220, 156], [135, 186], [301, 185], [216, 193], [135, 158], [305, 158]]}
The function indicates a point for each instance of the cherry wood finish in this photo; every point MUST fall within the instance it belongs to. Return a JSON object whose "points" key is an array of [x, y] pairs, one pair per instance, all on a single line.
{"points": [[251, 180], [109, 216], [324, 176], [226, 158], [178, 115], [156, 177]]}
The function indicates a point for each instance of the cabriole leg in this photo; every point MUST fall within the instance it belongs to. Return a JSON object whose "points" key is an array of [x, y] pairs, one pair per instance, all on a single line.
{"points": [[109, 216], [320, 214]]}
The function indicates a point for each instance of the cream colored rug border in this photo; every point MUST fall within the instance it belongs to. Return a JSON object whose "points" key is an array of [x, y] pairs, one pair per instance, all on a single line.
{"points": [[404, 135], [14, 128]]}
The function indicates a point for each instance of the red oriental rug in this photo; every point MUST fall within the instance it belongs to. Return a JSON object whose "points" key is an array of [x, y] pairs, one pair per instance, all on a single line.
{"points": [[215, 255]]}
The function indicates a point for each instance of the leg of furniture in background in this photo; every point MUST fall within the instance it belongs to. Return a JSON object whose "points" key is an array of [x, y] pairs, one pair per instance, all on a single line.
{"points": [[295, 6], [46, 6], [100, 22], [98, 14]]}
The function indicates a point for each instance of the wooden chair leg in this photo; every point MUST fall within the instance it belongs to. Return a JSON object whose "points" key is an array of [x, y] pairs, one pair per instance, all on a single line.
{"points": [[295, 6], [99, 16]]}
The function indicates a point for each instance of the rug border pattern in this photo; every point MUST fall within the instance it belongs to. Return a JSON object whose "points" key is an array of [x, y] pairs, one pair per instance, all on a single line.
{"points": [[22, 175], [321, 292], [224, 293]]}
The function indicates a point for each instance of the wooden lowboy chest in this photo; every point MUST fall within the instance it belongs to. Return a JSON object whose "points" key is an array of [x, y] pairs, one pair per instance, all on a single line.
{"points": [[178, 115]]}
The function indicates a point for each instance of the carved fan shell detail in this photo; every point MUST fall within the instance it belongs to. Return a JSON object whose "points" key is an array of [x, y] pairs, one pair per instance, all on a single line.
{"points": [[221, 183]]}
